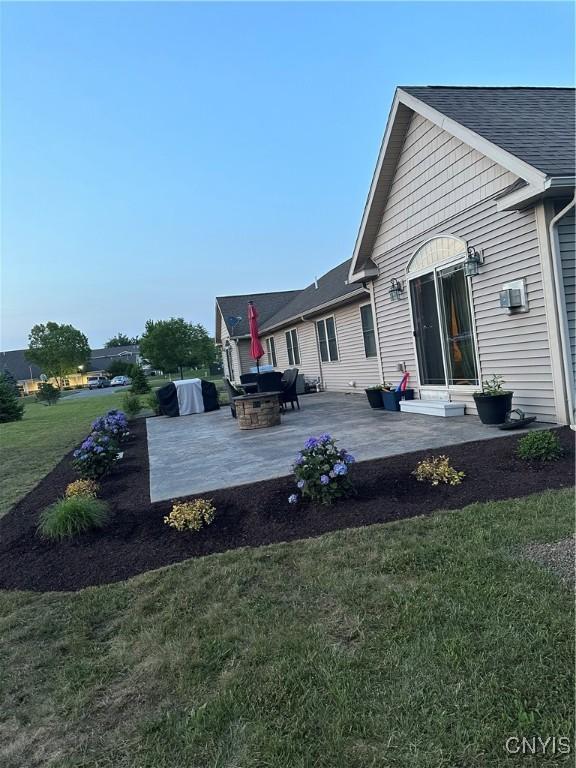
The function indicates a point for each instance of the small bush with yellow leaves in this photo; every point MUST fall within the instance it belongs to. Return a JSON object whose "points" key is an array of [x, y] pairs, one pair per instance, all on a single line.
{"points": [[87, 489], [436, 470], [191, 515]]}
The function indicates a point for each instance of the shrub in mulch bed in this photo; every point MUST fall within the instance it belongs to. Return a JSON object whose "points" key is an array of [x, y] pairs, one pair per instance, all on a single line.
{"points": [[136, 539]]}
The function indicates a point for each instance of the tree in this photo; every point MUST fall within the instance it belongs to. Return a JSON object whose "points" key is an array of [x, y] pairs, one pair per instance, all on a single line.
{"points": [[10, 408], [48, 394], [58, 350], [119, 368], [121, 340], [174, 344], [140, 384], [10, 379]]}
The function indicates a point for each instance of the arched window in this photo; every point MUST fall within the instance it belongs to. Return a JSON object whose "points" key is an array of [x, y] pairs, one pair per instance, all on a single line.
{"points": [[436, 251]]}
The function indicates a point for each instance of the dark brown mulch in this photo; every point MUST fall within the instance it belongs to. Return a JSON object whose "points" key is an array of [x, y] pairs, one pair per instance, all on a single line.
{"points": [[136, 538]]}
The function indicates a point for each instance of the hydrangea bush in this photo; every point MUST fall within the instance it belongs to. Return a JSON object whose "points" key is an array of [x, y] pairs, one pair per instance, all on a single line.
{"points": [[96, 456], [114, 424], [322, 471]]}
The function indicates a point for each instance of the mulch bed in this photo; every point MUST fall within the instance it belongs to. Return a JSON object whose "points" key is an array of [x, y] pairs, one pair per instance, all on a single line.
{"points": [[136, 539]]}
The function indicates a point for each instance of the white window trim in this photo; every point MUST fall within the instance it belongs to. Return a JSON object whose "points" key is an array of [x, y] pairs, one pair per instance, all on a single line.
{"points": [[323, 320], [433, 269], [271, 346], [289, 331], [375, 355]]}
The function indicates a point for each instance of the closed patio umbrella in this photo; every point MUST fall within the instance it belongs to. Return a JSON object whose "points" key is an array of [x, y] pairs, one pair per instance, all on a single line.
{"points": [[256, 348]]}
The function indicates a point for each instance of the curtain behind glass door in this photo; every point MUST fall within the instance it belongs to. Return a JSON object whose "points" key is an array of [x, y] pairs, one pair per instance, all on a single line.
{"points": [[457, 326]]}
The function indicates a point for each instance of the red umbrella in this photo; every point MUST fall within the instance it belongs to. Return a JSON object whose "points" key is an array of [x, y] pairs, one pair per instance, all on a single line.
{"points": [[256, 348]]}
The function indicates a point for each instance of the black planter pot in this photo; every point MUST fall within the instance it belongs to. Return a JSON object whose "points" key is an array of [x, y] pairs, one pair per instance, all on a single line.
{"points": [[374, 398], [492, 409]]}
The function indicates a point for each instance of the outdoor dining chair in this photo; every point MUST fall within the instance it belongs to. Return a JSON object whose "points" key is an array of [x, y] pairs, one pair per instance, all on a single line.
{"points": [[289, 394], [232, 393]]}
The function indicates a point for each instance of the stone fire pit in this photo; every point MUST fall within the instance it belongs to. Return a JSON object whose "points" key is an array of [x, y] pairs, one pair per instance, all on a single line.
{"points": [[259, 410]]}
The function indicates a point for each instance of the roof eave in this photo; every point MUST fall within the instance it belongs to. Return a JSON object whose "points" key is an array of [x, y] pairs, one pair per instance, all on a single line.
{"points": [[405, 101], [553, 186], [300, 316]]}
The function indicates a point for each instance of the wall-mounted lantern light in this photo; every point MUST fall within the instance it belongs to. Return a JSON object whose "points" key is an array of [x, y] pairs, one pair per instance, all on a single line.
{"points": [[396, 289], [473, 261]]}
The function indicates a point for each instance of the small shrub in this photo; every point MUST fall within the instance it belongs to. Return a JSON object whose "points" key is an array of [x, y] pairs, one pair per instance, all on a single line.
{"points": [[131, 405], [69, 517], [95, 457], [152, 403], [114, 424], [191, 515], [10, 407], [140, 385], [87, 489], [48, 394], [436, 470], [322, 471], [494, 386], [539, 446]]}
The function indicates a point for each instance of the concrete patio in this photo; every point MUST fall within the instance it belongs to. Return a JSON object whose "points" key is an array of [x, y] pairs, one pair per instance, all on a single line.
{"points": [[194, 454]]}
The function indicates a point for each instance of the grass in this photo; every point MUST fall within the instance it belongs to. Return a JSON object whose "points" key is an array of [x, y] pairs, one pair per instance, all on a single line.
{"points": [[418, 644], [69, 517], [30, 448]]}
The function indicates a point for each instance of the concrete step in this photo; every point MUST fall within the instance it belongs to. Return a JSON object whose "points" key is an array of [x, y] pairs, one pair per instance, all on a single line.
{"points": [[432, 407]]}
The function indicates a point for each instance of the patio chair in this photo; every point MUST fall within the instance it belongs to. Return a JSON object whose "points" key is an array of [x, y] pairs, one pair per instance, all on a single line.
{"points": [[250, 382], [289, 394], [232, 393], [270, 381]]}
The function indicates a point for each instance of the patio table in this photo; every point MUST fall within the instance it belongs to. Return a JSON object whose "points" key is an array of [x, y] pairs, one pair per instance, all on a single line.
{"points": [[258, 410]]}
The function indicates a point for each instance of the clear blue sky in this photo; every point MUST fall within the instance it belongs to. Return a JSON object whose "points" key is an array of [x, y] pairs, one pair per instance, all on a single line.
{"points": [[156, 155]]}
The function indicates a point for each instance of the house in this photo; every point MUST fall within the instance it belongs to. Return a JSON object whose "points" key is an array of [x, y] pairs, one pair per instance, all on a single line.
{"points": [[28, 376], [464, 262]]}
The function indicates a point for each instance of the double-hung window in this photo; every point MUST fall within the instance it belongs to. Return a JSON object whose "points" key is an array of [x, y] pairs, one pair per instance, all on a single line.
{"points": [[292, 347], [368, 330], [326, 330], [271, 351]]}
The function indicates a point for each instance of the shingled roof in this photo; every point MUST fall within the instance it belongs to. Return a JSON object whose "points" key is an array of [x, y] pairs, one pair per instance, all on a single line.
{"points": [[327, 289], [537, 125], [267, 305]]}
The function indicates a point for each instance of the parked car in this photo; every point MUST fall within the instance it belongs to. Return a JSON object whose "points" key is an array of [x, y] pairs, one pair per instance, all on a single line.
{"points": [[98, 382], [120, 381]]}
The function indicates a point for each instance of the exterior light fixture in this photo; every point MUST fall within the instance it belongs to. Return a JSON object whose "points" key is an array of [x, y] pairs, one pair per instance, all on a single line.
{"points": [[473, 261], [396, 289]]}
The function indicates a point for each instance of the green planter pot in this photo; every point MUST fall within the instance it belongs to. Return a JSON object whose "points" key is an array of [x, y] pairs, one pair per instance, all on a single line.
{"points": [[492, 409]]}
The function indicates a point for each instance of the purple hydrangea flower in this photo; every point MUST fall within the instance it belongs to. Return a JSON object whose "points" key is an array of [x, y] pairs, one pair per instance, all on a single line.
{"points": [[301, 483], [292, 499], [299, 460], [325, 438], [348, 458], [340, 469], [324, 479], [312, 442]]}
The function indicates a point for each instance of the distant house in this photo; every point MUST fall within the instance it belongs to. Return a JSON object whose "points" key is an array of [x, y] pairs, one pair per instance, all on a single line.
{"points": [[28, 375], [464, 264]]}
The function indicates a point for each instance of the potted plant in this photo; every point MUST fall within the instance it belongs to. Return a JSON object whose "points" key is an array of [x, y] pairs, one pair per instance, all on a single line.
{"points": [[374, 396], [494, 402], [391, 398]]}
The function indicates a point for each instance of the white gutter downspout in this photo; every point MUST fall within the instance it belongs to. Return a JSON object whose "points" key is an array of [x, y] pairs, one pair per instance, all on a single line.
{"points": [[561, 305]]}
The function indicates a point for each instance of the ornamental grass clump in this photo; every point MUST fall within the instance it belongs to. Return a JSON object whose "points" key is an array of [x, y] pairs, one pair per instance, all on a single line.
{"points": [[69, 517], [86, 489], [95, 457], [191, 515], [321, 470], [436, 470], [539, 446]]}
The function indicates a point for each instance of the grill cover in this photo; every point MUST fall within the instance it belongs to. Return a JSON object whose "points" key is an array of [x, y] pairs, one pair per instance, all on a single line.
{"points": [[181, 398]]}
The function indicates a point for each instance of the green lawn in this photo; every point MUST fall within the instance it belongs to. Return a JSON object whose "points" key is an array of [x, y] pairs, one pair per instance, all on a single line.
{"points": [[30, 448], [418, 644]]}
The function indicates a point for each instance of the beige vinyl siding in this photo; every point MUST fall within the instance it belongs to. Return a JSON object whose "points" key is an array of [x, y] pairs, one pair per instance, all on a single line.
{"points": [[437, 177], [352, 364], [566, 239], [306, 345], [246, 362], [436, 167]]}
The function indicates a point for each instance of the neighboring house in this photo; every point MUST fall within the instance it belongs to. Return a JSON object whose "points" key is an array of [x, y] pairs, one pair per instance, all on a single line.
{"points": [[28, 375], [473, 194]]}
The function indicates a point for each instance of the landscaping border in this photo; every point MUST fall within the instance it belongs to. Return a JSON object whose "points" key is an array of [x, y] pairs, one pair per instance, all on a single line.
{"points": [[136, 538]]}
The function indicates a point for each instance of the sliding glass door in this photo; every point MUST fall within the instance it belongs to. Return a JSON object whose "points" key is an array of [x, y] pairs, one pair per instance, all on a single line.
{"points": [[443, 327]]}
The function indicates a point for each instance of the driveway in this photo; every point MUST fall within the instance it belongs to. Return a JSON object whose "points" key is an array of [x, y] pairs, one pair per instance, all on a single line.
{"points": [[193, 454], [82, 393]]}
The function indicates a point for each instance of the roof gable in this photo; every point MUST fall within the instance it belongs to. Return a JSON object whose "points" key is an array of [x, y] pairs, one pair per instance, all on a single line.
{"points": [[267, 305], [426, 101]]}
